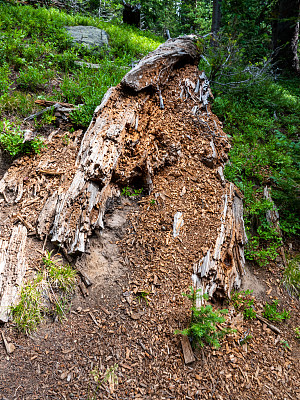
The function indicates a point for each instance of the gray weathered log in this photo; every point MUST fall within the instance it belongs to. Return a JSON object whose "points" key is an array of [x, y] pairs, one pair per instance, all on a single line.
{"points": [[121, 146], [154, 69], [12, 269]]}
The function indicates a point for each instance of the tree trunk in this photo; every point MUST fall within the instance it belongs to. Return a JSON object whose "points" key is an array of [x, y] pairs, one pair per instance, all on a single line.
{"points": [[216, 16], [285, 35]]}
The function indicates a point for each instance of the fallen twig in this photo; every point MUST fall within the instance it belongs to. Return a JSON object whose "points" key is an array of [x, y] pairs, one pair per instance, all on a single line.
{"points": [[272, 327]]}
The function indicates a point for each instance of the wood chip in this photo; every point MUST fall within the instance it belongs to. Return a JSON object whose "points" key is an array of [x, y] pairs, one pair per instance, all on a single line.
{"points": [[187, 350]]}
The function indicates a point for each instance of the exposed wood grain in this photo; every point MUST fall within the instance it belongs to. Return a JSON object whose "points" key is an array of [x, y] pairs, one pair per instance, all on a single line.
{"points": [[271, 326], [187, 350], [154, 69], [12, 269], [222, 269]]}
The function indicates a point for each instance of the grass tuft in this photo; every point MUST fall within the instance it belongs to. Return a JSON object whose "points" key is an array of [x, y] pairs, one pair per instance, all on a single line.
{"points": [[29, 312], [48, 294]]}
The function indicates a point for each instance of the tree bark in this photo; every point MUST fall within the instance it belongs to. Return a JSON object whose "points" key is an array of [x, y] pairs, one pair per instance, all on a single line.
{"points": [[216, 16], [285, 35]]}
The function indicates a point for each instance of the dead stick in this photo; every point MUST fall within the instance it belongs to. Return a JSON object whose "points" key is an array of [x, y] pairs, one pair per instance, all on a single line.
{"points": [[48, 172], [272, 327], [32, 116], [45, 241], [27, 224], [42, 102]]}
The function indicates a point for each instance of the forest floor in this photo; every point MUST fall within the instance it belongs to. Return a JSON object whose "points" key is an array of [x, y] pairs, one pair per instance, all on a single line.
{"points": [[118, 340]]}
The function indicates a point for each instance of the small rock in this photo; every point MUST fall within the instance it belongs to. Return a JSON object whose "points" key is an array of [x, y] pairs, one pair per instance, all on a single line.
{"points": [[9, 347], [88, 36], [137, 315]]}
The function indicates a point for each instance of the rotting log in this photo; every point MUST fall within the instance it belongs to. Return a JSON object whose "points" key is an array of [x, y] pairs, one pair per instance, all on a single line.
{"points": [[80, 210], [154, 69], [158, 118], [12, 269]]}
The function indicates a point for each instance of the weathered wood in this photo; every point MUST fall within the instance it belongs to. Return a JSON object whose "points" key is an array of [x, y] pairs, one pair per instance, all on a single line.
{"points": [[9, 347], [49, 103], [24, 222], [98, 155], [81, 208], [155, 123], [271, 326], [222, 268], [187, 350], [154, 69], [59, 108], [12, 269], [46, 216]]}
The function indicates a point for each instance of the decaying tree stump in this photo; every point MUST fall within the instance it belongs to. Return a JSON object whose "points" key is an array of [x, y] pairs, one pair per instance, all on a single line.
{"points": [[154, 126]]}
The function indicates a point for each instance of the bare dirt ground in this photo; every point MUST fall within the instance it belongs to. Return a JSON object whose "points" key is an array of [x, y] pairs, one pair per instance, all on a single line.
{"points": [[119, 341], [113, 328]]}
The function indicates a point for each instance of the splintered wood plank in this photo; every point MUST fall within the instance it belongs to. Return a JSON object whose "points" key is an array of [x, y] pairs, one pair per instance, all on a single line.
{"points": [[187, 350], [12, 269]]}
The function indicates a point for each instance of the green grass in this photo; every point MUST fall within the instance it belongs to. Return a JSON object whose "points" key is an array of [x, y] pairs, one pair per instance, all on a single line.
{"points": [[29, 312], [291, 277], [35, 48], [12, 140], [5, 82], [48, 294]]}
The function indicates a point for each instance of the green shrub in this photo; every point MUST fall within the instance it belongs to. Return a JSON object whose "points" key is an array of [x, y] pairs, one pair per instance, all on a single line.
{"points": [[203, 328], [244, 301], [11, 139], [262, 121], [270, 312], [262, 247]]}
